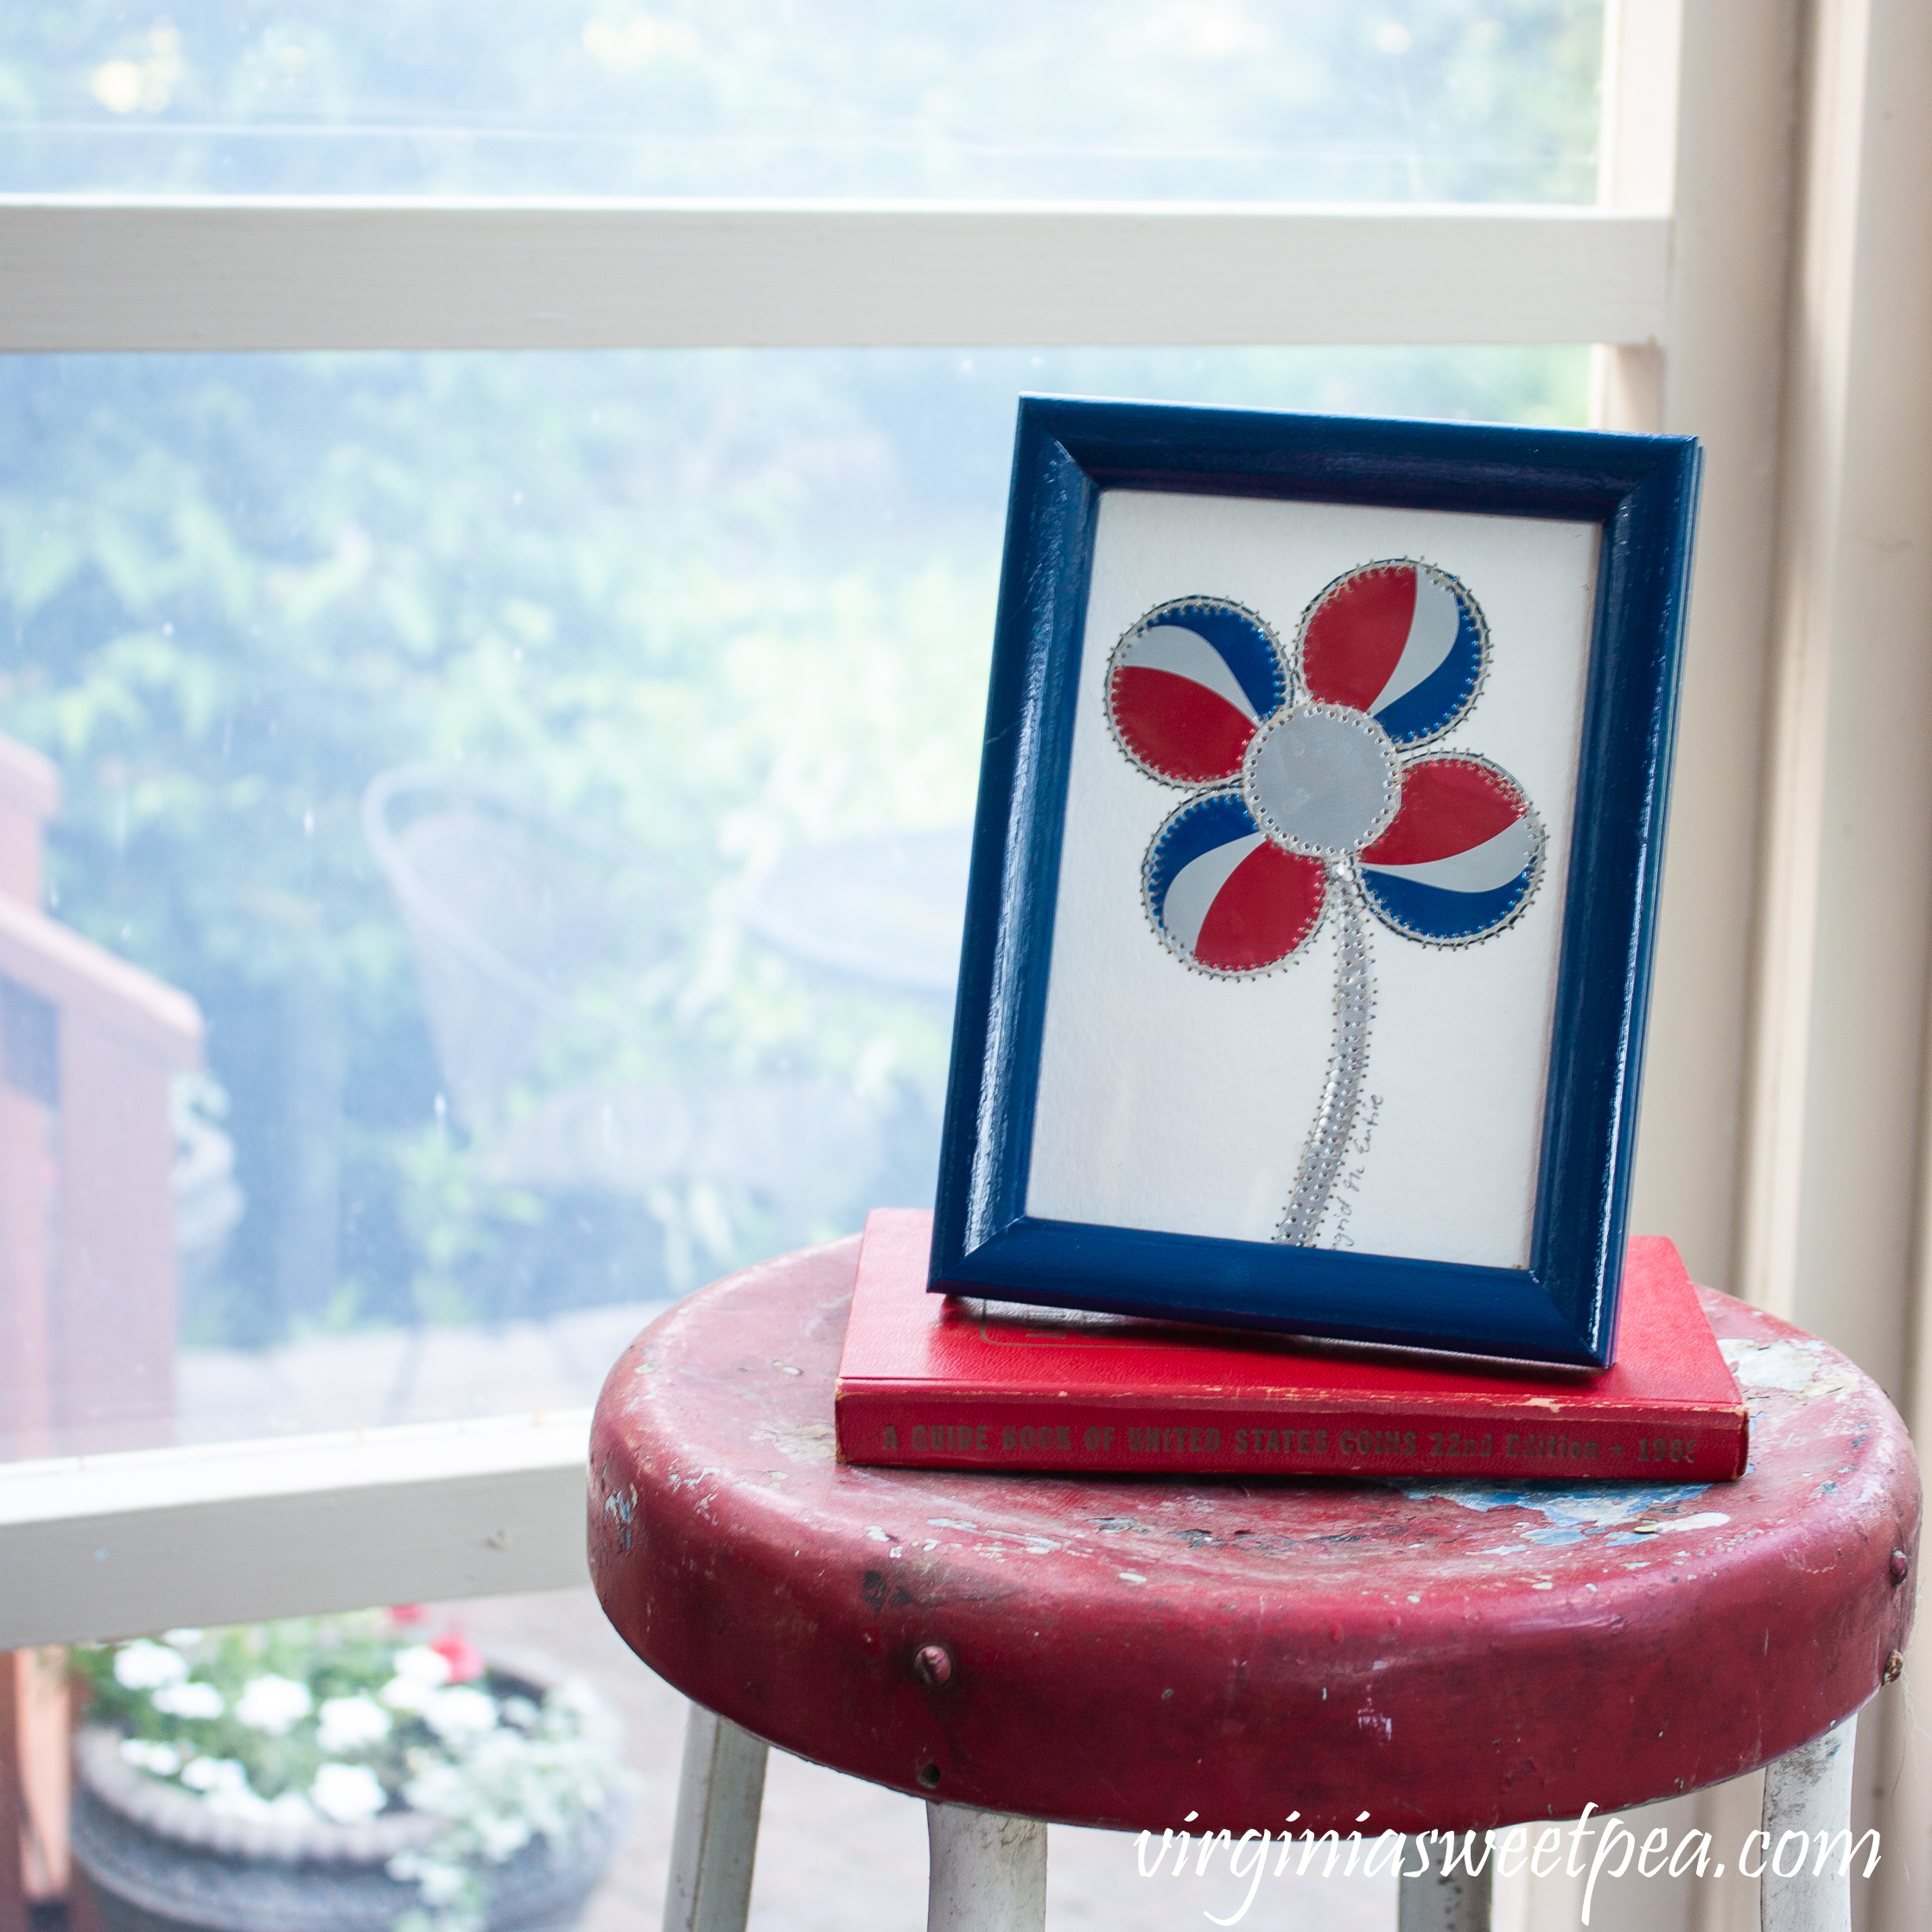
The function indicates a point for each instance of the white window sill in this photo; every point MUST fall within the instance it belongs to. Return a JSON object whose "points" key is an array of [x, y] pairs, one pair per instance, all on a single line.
{"points": [[113, 1545]]}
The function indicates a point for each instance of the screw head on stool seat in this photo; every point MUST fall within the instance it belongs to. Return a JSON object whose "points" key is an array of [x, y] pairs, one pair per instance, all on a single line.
{"points": [[1119, 1652]]}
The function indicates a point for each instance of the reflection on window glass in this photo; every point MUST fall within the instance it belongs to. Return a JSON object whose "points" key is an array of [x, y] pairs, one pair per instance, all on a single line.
{"points": [[1276, 99], [505, 825]]}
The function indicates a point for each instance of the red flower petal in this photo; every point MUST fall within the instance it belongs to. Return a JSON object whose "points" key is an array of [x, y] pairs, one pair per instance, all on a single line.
{"points": [[1176, 727], [1268, 906], [1449, 805], [1356, 637], [464, 1659]]}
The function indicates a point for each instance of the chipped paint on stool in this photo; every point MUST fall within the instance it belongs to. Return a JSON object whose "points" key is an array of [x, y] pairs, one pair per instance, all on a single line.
{"points": [[1121, 1652]]}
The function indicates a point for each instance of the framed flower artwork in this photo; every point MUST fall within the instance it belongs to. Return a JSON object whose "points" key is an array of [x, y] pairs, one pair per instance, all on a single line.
{"points": [[1314, 876]]}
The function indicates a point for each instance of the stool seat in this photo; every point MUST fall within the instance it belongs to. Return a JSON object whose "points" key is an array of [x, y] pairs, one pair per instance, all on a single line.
{"points": [[1121, 1652]]}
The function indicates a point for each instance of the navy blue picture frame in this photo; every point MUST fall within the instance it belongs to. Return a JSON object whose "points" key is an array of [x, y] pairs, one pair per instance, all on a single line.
{"points": [[1561, 1309]]}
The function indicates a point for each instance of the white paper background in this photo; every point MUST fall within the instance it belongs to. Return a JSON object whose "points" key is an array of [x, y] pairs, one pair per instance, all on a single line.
{"points": [[1169, 1100]]}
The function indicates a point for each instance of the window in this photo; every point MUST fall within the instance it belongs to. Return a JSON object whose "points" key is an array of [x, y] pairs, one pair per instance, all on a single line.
{"points": [[532, 788]]}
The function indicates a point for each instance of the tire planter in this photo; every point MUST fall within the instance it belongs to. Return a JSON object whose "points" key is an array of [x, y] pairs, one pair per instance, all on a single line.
{"points": [[157, 1861]]}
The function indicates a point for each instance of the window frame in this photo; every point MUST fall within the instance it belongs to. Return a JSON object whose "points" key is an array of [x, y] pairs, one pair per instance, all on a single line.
{"points": [[93, 274]]}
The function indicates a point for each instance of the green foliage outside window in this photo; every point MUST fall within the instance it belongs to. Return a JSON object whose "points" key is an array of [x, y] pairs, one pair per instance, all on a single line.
{"points": [[715, 607]]}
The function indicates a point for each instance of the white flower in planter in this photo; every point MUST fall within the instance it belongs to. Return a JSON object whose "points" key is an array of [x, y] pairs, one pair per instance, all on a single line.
{"points": [[442, 1882], [502, 1838], [245, 1803], [227, 1775], [458, 1716], [497, 1771], [406, 1695], [349, 1723], [190, 1701], [348, 1793], [144, 1665], [273, 1705], [420, 1674]]}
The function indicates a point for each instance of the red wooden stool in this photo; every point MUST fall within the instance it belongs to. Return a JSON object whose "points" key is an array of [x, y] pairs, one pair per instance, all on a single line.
{"points": [[1122, 1653]]}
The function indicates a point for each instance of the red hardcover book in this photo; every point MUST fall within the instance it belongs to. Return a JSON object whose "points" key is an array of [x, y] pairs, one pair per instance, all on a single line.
{"points": [[932, 1382]]}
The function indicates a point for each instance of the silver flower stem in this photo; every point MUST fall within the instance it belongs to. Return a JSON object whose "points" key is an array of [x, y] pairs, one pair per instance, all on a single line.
{"points": [[1341, 1099]]}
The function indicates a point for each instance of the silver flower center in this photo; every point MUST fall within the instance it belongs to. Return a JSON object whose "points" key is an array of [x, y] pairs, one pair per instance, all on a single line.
{"points": [[1321, 779]]}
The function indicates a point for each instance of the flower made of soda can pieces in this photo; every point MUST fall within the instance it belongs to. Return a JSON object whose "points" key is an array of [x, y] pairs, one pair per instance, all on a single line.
{"points": [[1311, 796]]}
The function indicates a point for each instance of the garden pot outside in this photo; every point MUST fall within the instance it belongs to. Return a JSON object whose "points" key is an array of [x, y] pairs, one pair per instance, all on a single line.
{"points": [[156, 1860]]}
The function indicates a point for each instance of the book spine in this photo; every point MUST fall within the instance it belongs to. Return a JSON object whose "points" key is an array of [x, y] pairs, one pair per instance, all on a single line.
{"points": [[895, 1430]]}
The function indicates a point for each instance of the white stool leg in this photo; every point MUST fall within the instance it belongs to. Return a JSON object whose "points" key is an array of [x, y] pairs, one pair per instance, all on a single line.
{"points": [[720, 1791], [987, 1871], [1433, 1902], [1809, 1790]]}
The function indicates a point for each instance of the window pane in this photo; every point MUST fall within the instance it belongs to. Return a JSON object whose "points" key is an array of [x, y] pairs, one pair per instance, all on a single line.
{"points": [[1320, 99], [547, 779]]}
